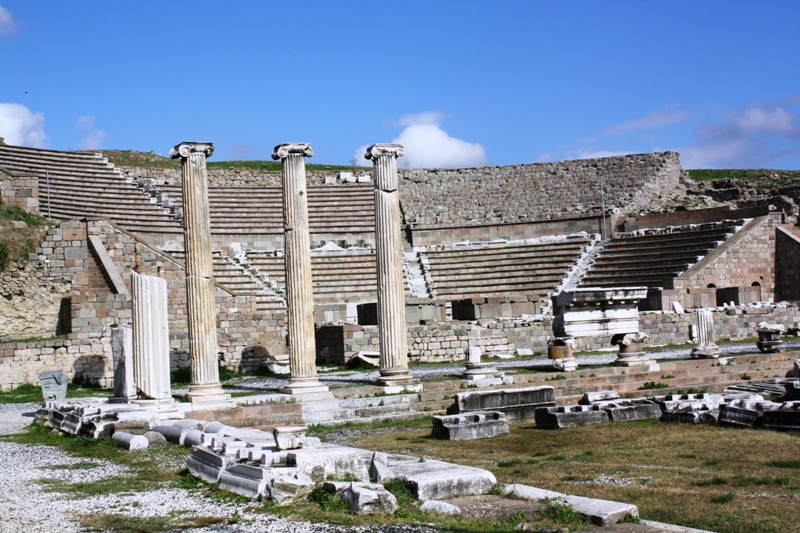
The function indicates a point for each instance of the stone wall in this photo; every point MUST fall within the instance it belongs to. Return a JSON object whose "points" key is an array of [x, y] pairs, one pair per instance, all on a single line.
{"points": [[31, 299], [539, 191], [787, 263], [745, 259], [22, 191], [499, 195]]}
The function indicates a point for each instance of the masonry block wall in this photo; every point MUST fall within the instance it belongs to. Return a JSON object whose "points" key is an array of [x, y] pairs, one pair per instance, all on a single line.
{"points": [[746, 259], [31, 300], [22, 191], [787, 263]]}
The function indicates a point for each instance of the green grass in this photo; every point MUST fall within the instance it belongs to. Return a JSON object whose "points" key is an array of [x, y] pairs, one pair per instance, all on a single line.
{"points": [[29, 393], [121, 523], [769, 177], [134, 158]]}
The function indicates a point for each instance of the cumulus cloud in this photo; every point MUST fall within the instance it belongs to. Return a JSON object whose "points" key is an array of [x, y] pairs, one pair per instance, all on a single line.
{"points": [[8, 25], [427, 145], [92, 138], [671, 114], [21, 127], [748, 137], [239, 152]]}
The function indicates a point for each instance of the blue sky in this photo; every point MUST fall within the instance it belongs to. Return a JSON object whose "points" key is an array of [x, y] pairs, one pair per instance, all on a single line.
{"points": [[462, 83]]}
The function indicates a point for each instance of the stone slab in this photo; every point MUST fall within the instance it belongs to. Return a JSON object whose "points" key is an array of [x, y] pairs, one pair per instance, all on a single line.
{"points": [[438, 480], [566, 416], [601, 512], [518, 404], [467, 426]]}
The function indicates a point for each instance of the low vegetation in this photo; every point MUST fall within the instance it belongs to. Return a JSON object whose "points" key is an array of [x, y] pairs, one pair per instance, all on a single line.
{"points": [[134, 158], [765, 177], [29, 393], [20, 233]]}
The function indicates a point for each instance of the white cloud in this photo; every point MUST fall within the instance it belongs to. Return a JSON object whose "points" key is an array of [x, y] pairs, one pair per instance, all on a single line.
{"points": [[93, 138], [750, 137], [671, 114], [428, 146], [585, 154], [21, 127], [7, 23]]}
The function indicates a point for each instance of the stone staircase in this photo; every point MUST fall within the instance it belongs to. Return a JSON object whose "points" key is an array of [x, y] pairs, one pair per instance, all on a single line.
{"points": [[650, 260]]}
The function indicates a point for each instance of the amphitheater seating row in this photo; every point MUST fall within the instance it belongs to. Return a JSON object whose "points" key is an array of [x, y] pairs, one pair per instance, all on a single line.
{"points": [[651, 260], [534, 270], [86, 185]]}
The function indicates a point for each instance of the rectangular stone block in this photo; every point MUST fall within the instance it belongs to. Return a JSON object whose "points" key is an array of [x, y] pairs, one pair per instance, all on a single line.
{"points": [[561, 417], [518, 404], [469, 426]]}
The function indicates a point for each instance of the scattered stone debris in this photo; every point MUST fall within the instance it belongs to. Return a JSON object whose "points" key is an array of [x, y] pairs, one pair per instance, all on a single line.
{"points": [[475, 425]]}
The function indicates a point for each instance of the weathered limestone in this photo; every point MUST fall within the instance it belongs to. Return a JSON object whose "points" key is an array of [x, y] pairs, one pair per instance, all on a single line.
{"points": [[151, 342], [289, 437], [560, 350], [630, 349], [706, 348], [122, 352], [569, 415], [389, 255], [299, 294], [769, 337], [437, 480], [601, 512], [479, 425], [518, 404], [366, 498], [130, 441], [481, 374], [200, 306]]}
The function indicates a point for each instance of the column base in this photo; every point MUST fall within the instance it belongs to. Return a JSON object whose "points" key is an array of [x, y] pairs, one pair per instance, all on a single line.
{"points": [[207, 393], [396, 378], [567, 364], [165, 407], [304, 385], [710, 351]]}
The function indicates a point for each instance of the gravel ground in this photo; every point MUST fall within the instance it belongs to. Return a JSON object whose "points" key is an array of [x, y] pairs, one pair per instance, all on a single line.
{"points": [[24, 506]]}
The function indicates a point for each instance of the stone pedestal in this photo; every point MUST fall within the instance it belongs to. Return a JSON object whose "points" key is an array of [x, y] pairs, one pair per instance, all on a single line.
{"points": [[200, 304], [299, 296], [389, 255], [630, 349], [150, 342], [122, 352], [769, 337], [481, 374], [705, 349], [560, 351]]}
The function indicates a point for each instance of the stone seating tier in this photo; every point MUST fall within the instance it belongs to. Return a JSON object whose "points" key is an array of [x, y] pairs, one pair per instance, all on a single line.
{"points": [[498, 271], [651, 260]]}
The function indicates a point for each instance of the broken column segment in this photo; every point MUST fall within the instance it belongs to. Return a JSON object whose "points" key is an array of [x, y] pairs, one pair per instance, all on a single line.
{"points": [[389, 255], [122, 352], [200, 304], [481, 374], [150, 341], [561, 350], [769, 337], [706, 348], [630, 348], [299, 294]]}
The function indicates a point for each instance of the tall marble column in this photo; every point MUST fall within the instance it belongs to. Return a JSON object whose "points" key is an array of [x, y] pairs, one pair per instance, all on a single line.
{"points": [[200, 305], [389, 251], [299, 295]]}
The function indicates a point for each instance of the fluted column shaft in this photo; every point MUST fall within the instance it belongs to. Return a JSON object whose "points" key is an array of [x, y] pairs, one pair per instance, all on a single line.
{"points": [[297, 256], [200, 303], [389, 255], [150, 337]]}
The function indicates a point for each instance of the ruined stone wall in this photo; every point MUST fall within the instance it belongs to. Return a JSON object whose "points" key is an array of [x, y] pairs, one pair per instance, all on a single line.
{"points": [[494, 195], [787, 264], [538, 191], [30, 299], [745, 259], [22, 191]]}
